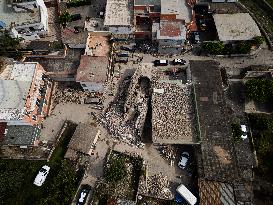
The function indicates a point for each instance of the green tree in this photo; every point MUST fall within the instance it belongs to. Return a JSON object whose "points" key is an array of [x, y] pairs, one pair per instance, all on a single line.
{"points": [[236, 131], [243, 48], [214, 47], [260, 90], [116, 170], [64, 18], [258, 40], [10, 46]]}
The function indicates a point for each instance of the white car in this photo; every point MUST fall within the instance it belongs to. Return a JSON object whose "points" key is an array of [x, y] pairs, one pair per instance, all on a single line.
{"points": [[183, 160], [41, 176], [244, 130], [179, 62]]}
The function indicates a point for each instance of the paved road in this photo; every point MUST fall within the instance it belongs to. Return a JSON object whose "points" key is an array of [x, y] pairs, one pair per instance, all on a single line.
{"points": [[233, 65]]}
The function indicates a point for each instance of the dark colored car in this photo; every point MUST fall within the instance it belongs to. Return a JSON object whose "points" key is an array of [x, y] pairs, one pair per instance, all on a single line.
{"points": [[123, 54], [121, 60], [76, 17], [125, 48], [160, 62], [85, 190]]}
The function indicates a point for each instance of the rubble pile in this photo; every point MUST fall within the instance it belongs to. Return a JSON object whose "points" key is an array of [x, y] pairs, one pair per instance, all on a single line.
{"points": [[70, 95], [156, 186], [142, 108], [114, 118], [168, 152], [115, 123], [173, 113], [125, 119]]}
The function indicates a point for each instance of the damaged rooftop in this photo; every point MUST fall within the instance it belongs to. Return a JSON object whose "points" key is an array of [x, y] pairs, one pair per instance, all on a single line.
{"points": [[118, 13], [218, 155], [8, 15]]}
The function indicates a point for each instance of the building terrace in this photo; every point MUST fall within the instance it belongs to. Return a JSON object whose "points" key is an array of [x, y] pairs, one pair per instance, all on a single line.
{"points": [[24, 91], [179, 8]]}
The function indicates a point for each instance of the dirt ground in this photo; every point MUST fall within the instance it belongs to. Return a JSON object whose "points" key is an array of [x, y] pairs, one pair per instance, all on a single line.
{"points": [[69, 111], [156, 164]]}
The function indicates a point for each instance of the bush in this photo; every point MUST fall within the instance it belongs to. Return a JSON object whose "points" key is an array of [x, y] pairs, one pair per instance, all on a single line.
{"points": [[77, 3], [262, 126], [215, 48], [258, 40], [56, 45], [260, 90], [64, 18], [9, 46], [243, 48], [116, 170], [236, 131]]}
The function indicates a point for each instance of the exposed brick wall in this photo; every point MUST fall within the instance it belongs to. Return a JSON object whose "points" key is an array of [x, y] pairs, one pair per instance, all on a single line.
{"points": [[167, 16]]}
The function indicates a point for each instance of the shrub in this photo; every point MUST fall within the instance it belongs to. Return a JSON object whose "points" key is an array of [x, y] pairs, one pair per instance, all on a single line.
{"points": [[243, 48], [116, 170], [216, 47], [258, 40], [260, 90], [236, 131]]}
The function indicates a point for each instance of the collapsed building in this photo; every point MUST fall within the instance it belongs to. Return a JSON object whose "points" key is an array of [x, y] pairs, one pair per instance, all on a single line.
{"points": [[166, 96], [173, 114]]}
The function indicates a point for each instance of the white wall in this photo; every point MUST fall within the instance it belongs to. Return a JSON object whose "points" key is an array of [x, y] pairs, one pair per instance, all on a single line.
{"points": [[120, 30], [44, 14], [39, 28], [92, 86]]}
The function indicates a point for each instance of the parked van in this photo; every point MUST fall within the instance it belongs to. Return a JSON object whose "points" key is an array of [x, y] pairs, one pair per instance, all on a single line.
{"points": [[160, 62], [121, 60], [123, 54], [186, 194]]}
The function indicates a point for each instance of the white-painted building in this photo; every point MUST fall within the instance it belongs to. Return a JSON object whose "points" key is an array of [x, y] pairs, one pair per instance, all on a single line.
{"points": [[171, 36], [26, 19]]}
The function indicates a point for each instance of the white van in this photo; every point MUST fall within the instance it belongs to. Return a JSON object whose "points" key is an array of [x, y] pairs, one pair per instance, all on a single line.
{"points": [[186, 194]]}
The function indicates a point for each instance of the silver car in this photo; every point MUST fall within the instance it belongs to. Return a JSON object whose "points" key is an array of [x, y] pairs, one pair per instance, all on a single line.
{"points": [[183, 160]]}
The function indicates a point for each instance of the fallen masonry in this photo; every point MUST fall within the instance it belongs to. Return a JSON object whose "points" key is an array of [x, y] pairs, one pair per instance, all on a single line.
{"points": [[157, 186]]}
